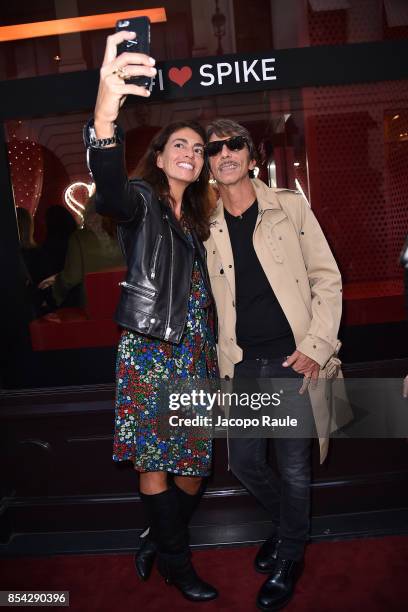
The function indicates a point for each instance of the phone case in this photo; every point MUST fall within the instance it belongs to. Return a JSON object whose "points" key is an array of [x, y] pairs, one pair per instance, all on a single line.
{"points": [[140, 44]]}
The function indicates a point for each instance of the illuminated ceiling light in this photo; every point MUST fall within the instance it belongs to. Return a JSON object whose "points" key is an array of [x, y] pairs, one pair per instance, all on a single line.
{"points": [[57, 27], [395, 117]]}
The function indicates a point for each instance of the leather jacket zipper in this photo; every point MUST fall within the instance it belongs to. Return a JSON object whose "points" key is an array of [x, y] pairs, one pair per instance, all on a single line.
{"points": [[155, 254], [138, 289], [168, 328]]}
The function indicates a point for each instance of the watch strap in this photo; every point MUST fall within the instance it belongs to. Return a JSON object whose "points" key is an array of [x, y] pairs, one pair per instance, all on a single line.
{"points": [[91, 140]]}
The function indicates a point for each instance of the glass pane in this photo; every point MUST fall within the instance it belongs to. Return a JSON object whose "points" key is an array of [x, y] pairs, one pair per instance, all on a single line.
{"points": [[344, 147]]}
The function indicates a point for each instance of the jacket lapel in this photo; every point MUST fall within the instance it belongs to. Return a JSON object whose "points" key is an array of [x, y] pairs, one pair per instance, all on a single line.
{"points": [[168, 214], [268, 201]]}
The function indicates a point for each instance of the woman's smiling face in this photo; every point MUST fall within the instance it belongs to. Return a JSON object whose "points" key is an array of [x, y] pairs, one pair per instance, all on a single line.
{"points": [[182, 158]]}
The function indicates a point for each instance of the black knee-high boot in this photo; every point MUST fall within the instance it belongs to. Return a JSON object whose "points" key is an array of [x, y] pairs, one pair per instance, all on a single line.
{"points": [[174, 557], [145, 556], [187, 502]]}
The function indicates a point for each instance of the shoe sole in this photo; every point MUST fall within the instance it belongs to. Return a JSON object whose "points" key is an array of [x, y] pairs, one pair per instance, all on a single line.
{"points": [[263, 571], [274, 608], [199, 600], [192, 599]]}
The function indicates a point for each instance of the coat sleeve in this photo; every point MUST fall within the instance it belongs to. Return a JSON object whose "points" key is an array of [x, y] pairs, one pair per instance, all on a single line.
{"points": [[116, 196], [325, 287]]}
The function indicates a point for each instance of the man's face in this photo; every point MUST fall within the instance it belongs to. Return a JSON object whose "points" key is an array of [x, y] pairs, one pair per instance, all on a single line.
{"points": [[230, 167]]}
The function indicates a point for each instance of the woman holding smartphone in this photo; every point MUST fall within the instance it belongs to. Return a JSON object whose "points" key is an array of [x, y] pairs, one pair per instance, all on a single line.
{"points": [[165, 308]]}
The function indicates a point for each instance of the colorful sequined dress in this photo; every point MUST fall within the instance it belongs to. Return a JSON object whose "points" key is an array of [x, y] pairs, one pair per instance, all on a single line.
{"points": [[143, 364]]}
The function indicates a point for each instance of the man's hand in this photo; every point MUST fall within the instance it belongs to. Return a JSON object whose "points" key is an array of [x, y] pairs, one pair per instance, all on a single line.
{"points": [[303, 365]]}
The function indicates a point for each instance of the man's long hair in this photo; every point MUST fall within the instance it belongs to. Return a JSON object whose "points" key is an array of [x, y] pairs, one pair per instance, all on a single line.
{"points": [[227, 127], [198, 198]]}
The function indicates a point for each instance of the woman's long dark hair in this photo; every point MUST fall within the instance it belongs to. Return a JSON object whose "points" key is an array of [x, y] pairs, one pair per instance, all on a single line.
{"points": [[198, 198]]}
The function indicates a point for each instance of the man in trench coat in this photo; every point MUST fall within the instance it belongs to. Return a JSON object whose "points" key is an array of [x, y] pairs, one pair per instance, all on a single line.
{"points": [[278, 294]]}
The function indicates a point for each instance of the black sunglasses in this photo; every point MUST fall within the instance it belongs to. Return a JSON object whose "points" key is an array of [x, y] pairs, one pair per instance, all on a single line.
{"points": [[236, 143]]}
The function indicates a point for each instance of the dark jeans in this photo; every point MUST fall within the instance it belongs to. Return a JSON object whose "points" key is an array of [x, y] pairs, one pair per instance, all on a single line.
{"points": [[286, 496]]}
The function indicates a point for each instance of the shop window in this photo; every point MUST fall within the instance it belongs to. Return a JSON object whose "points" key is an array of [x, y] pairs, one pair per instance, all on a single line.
{"points": [[343, 147]]}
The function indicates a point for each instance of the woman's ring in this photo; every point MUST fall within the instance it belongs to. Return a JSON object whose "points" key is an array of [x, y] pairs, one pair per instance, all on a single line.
{"points": [[120, 72]]}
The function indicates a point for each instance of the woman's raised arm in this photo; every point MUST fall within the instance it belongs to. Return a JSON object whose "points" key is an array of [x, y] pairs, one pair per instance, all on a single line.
{"points": [[115, 196]]}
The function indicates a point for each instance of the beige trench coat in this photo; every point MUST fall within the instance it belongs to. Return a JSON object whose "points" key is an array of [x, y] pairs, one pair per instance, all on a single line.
{"points": [[304, 276]]}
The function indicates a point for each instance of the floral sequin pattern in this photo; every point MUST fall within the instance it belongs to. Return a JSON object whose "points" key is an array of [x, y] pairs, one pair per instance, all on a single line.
{"points": [[143, 364]]}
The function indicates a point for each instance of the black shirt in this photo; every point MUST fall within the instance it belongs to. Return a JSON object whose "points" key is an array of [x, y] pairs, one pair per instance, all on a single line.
{"points": [[262, 328]]}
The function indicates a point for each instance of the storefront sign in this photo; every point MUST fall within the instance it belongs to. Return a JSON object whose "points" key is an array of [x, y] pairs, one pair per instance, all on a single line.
{"points": [[217, 75], [223, 73], [214, 75], [282, 69]]}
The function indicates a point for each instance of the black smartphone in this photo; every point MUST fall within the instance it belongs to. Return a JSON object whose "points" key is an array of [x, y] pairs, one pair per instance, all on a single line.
{"points": [[139, 44]]}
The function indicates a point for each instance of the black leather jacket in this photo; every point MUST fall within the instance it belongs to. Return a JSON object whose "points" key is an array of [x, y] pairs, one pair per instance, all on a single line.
{"points": [[159, 257]]}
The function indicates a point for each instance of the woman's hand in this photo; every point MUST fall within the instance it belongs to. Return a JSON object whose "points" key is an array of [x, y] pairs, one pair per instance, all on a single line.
{"points": [[113, 88], [47, 282]]}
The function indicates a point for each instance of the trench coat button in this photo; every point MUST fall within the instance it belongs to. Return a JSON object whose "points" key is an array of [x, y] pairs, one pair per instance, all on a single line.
{"points": [[221, 271], [280, 237], [227, 377], [297, 280], [213, 252], [319, 302], [314, 346], [230, 266], [220, 230], [303, 233], [152, 320]]}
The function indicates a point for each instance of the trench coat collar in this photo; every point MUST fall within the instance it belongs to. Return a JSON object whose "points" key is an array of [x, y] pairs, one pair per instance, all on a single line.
{"points": [[267, 200], [266, 196]]}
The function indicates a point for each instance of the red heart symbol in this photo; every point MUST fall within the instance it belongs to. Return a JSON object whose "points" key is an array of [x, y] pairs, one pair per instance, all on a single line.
{"points": [[180, 75]]}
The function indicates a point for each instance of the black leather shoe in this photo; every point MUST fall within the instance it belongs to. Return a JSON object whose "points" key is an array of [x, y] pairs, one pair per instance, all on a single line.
{"points": [[144, 558], [267, 555], [278, 590]]}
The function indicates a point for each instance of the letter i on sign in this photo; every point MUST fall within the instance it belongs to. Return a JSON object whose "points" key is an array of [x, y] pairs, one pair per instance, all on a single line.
{"points": [[237, 78]]}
